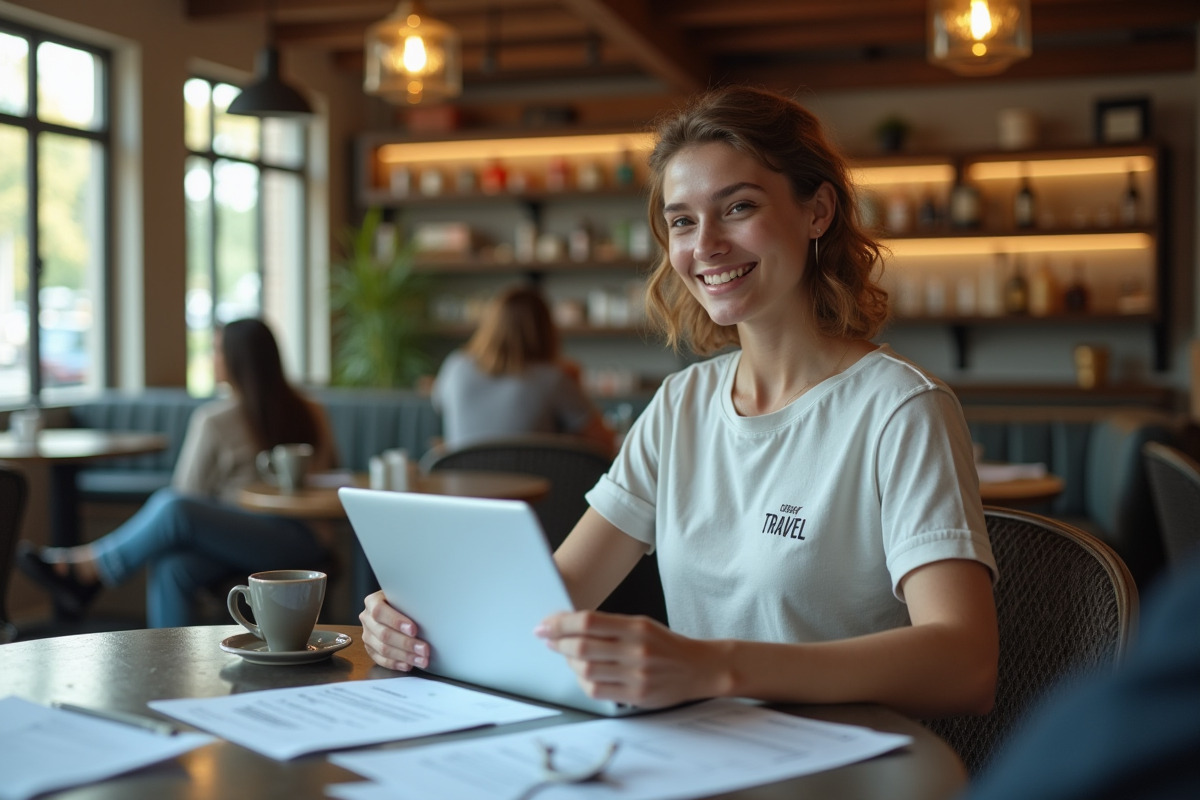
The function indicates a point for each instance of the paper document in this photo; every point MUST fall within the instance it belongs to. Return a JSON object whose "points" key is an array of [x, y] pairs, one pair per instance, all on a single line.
{"points": [[698, 751], [44, 749], [286, 723]]}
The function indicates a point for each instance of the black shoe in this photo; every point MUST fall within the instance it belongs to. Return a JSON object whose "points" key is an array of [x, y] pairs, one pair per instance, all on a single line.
{"points": [[72, 595]]}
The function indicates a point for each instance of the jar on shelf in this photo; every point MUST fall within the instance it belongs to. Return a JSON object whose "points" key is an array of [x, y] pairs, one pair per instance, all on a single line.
{"points": [[400, 181], [589, 178], [432, 182], [493, 179], [557, 174]]}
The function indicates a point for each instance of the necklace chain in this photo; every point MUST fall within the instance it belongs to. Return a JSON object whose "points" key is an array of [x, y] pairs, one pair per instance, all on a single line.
{"points": [[810, 384]]}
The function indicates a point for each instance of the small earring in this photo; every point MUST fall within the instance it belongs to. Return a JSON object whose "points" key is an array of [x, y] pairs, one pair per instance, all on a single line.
{"points": [[817, 250]]}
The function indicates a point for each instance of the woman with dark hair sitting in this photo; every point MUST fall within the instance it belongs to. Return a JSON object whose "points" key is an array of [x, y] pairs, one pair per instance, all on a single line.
{"points": [[510, 378], [192, 535]]}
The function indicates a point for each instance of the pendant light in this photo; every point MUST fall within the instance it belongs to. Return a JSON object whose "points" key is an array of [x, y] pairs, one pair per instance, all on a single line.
{"points": [[412, 57], [268, 95], [978, 37]]}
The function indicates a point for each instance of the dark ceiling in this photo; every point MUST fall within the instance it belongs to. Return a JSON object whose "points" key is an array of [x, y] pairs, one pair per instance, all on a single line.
{"points": [[522, 50]]}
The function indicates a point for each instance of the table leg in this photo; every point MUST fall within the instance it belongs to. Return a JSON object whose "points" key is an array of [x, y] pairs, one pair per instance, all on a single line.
{"points": [[65, 526], [64, 506]]}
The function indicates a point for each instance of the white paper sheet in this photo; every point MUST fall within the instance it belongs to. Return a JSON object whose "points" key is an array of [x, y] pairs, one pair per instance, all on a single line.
{"points": [[702, 750], [286, 723], [43, 749]]}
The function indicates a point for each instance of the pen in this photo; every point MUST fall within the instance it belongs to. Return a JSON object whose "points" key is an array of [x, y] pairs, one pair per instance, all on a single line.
{"points": [[138, 721]]}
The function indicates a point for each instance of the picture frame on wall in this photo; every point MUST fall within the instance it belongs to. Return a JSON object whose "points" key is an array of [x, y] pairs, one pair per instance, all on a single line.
{"points": [[1122, 120]]}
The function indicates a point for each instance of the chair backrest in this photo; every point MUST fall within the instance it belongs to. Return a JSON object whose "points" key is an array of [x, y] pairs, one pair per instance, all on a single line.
{"points": [[1175, 485], [14, 491], [1065, 604], [573, 466]]}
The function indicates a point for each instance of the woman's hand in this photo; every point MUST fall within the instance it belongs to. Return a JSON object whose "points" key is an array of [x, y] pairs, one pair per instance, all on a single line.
{"points": [[636, 660], [390, 637]]}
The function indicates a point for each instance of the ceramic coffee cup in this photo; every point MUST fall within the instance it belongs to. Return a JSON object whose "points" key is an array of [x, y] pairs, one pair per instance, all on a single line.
{"points": [[285, 465], [286, 603]]}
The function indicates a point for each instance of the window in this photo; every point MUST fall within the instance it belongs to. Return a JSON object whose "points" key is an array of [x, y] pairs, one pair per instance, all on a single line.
{"points": [[54, 190], [245, 185]]}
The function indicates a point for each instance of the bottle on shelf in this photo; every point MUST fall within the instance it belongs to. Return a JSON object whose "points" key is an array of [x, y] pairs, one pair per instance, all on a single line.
{"points": [[1024, 207], [899, 214], [1043, 291], [1131, 212], [557, 175], [1076, 297], [1016, 290], [927, 213], [623, 174], [965, 205], [991, 276]]}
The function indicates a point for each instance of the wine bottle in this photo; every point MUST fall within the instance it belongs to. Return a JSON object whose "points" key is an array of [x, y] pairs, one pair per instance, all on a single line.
{"points": [[1075, 298], [965, 209], [1016, 291], [1130, 203], [1043, 291], [1023, 205]]}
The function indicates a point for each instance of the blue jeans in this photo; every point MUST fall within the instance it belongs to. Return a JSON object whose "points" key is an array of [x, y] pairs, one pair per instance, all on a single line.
{"points": [[192, 543]]}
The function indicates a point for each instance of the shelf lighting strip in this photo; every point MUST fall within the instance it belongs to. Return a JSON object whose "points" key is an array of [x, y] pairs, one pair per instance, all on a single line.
{"points": [[906, 174], [1059, 168], [1028, 243], [606, 144]]}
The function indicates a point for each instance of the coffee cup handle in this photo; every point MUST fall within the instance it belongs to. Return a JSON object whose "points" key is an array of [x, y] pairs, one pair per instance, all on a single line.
{"points": [[266, 467], [236, 612]]}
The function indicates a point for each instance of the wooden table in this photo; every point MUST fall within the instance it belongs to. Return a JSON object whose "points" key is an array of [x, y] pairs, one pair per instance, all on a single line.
{"points": [[319, 501], [122, 670], [1021, 491], [62, 452]]}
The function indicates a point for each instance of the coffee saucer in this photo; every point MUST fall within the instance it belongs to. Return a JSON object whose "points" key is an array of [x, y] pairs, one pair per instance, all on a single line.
{"points": [[321, 645]]}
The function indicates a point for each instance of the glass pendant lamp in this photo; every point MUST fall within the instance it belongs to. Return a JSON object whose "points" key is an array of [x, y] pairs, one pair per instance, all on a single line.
{"points": [[412, 57], [978, 37]]}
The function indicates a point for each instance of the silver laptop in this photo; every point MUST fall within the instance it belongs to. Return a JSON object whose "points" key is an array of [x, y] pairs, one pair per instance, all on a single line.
{"points": [[476, 576]]}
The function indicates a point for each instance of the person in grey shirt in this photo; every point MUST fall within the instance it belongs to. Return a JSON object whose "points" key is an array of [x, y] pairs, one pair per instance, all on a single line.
{"points": [[510, 379]]}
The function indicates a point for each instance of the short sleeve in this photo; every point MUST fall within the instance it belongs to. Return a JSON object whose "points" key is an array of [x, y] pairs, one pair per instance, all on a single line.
{"points": [[929, 490]]}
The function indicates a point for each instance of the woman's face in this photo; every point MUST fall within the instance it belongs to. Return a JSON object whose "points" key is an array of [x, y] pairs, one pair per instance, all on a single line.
{"points": [[736, 234]]}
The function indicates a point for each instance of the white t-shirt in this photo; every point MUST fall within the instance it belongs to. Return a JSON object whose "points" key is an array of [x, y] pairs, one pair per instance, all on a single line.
{"points": [[797, 526]]}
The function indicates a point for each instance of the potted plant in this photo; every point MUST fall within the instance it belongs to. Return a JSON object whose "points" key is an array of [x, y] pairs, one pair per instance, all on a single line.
{"points": [[378, 304], [891, 133]]}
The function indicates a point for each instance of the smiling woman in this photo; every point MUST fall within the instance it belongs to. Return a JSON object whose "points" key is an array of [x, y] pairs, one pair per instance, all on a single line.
{"points": [[811, 497]]}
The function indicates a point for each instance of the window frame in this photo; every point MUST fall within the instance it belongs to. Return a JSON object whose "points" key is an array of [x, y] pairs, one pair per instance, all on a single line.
{"points": [[102, 136], [265, 166]]}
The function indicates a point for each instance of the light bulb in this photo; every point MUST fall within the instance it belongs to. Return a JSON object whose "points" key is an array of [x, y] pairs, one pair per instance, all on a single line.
{"points": [[981, 20], [414, 55]]}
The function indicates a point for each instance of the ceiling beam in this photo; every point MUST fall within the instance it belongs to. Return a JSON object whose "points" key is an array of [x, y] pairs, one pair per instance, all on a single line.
{"points": [[1170, 55], [656, 43]]}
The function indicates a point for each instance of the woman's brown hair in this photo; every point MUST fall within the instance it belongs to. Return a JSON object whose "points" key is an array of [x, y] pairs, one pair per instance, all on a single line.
{"points": [[516, 330], [782, 135], [273, 410]]}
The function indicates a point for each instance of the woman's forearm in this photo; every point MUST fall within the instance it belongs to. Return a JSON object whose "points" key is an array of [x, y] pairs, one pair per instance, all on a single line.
{"points": [[928, 671]]}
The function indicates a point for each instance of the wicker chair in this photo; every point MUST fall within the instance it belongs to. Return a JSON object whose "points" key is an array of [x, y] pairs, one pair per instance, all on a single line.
{"points": [[572, 466], [14, 492], [1175, 484], [1066, 605]]}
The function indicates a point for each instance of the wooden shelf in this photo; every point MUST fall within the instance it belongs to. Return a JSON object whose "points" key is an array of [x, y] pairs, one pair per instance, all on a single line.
{"points": [[385, 198], [480, 267]]}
